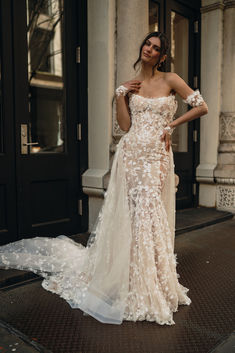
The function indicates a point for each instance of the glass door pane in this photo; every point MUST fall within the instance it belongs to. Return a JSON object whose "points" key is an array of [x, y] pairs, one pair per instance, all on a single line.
{"points": [[179, 64], [46, 76], [153, 16]]}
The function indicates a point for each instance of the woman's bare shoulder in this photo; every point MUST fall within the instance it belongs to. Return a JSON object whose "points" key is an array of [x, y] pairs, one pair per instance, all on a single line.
{"points": [[172, 76]]}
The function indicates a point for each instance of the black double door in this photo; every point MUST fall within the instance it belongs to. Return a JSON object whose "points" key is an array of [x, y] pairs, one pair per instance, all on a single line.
{"points": [[42, 131]]}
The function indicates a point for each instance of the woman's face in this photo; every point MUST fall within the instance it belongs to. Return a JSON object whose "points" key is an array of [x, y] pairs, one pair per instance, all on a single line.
{"points": [[151, 50]]}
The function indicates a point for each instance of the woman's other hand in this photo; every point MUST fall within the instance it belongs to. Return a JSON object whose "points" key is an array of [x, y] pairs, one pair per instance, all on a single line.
{"points": [[132, 85]]}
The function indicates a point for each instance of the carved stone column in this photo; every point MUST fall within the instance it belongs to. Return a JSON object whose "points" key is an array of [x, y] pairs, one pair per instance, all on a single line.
{"points": [[225, 170], [132, 26], [211, 72], [101, 60]]}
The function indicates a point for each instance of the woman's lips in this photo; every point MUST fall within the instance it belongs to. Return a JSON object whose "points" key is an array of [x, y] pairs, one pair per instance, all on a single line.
{"points": [[145, 54]]}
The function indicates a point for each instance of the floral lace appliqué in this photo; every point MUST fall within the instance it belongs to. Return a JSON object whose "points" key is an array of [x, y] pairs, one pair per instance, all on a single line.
{"points": [[195, 99]]}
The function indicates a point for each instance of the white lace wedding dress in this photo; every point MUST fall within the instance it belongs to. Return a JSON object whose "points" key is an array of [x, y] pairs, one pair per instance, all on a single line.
{"points": [[128, 269]]}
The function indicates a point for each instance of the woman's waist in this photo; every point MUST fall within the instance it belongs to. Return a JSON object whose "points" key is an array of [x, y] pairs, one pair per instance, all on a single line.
{"points": [[144, 144], [144, 135]]}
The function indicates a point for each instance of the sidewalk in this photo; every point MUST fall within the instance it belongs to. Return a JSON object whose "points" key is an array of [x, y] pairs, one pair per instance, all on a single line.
{"points": [[206, 264]]}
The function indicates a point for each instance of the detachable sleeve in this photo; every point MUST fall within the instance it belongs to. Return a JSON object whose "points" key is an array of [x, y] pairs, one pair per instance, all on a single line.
{"points": [[195, 99]]}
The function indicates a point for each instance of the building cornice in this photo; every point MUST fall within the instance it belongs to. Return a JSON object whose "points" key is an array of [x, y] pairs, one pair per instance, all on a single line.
{"points": [[218, 6], [212, 7], [229, 3]]}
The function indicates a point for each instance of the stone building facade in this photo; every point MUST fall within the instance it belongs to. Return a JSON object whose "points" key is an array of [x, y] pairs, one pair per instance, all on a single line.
{"points": [[216, 171], [115, 30]]}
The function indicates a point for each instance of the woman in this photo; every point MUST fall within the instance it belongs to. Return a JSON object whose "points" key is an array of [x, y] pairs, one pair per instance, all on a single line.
{"points": [[128, 270]]}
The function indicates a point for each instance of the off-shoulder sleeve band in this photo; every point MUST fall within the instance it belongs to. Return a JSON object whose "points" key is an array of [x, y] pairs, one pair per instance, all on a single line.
{"points": [[195, 99]]}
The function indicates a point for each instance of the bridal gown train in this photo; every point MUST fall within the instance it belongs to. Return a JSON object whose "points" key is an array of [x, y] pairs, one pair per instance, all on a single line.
{"points": [[128, 269]]}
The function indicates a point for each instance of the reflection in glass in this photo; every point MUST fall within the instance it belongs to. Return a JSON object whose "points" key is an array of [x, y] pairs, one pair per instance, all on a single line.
{"points": [[45, 74], [153, 16], [179, 64]]}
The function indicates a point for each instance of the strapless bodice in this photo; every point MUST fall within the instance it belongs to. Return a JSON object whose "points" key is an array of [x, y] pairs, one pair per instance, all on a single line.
{"points": [[150, 115]]}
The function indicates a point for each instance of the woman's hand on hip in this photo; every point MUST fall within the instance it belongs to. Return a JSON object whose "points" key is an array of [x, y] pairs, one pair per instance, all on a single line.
{"points": [[167, 138]]}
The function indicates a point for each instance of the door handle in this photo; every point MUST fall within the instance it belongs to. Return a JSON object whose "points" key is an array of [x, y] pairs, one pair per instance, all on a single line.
{"points": [[24, 139], [30, 143]]}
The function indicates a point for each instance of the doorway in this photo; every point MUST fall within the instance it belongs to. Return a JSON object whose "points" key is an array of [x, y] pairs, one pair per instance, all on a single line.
{"points": [[180, 20], [43, 143]]}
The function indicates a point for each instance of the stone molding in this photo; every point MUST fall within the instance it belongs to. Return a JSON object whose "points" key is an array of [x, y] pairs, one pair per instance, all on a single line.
{"points": [[94, 179], [225, 181], [94, 192], [212, 7], [218, 6], [205, 173], [229, 3], [227, 126]]}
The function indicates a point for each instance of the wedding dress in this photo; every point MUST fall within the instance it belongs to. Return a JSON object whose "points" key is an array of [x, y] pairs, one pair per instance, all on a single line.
{"points": [[128, 269]]}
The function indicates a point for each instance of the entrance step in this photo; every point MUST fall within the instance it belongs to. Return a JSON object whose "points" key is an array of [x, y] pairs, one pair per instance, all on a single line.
{"points": [[226, 346], [199, 217]]}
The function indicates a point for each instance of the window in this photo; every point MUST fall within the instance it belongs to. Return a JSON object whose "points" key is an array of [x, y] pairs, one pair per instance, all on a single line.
{"points": [[45, 73]]}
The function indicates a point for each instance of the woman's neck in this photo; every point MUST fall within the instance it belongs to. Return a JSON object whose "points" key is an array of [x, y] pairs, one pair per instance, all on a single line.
{"points": [[146, 72]]}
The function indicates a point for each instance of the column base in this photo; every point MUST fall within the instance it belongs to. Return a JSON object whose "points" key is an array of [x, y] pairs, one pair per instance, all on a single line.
{"points": [[225, 198]]}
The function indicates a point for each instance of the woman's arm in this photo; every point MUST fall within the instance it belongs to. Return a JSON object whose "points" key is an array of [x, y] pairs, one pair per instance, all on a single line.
{"points": [[123, 114], [180, 87], [189, 96], [122, 103]]}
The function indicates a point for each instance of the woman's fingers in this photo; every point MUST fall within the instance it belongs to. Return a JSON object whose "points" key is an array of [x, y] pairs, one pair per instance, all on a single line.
{"points": [[137, 82], [133, 82], [163, 136], [167, 142], [133, 85], [166, 137]]}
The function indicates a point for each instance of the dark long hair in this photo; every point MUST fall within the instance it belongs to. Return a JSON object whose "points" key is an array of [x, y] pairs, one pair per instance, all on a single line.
{"points": [[164, 49]]}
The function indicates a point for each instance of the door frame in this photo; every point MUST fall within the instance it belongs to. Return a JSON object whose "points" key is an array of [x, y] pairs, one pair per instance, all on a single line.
{"points": [[8, 216], [192, 11]]}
